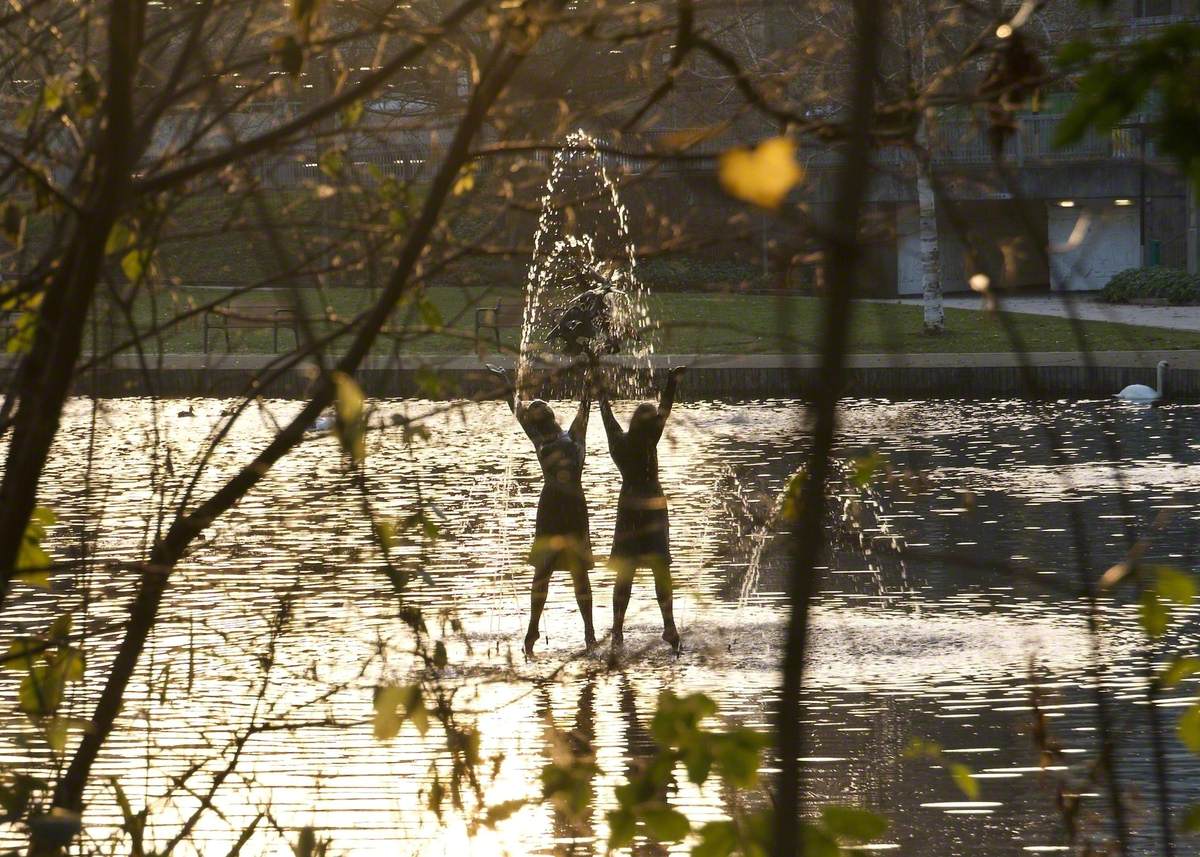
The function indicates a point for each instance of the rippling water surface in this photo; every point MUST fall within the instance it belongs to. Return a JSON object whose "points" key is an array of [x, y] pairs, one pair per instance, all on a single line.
{"points": [[909, 641]]}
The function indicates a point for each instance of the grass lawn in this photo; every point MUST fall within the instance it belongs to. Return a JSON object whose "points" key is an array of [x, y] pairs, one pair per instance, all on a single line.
{"points": [[695, 323]]}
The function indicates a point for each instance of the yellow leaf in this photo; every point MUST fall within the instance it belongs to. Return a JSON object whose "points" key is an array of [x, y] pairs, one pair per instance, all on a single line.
{"points": [[349, 408], [763, 175], [465, 181]]}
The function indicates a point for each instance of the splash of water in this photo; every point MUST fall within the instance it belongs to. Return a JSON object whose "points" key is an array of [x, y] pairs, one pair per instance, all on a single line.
{"points": [[583, 236]]}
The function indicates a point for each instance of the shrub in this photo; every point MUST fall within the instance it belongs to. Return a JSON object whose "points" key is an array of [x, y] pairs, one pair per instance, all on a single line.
{"points": [[686, 273], [1171, 284]]}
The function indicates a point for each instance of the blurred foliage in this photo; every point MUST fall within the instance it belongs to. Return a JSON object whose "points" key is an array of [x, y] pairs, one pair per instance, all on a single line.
{"points": [[1153, 79], [732, 757], [1169, 284]]}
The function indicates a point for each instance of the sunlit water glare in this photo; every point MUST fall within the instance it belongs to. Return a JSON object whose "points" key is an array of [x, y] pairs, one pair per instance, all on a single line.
{"points": [[905, 645]]}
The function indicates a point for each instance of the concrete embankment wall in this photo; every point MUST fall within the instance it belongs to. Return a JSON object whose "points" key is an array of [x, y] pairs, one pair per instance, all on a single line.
{"points": [[1048, 375]]}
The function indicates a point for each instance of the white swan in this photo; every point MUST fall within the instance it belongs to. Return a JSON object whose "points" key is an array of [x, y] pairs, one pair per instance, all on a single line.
{"points": [[322, 423], [1142, 393]]}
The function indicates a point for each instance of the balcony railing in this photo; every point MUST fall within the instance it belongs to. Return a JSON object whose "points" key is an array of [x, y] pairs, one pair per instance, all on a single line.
{"points": [[952, 143]]}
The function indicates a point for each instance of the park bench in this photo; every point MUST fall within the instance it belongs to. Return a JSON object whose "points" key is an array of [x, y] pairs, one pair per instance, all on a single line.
{"points": [[506, 313], [252, 311]]}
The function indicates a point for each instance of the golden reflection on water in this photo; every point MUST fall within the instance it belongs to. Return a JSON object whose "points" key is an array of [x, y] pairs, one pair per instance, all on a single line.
{"points": [[900, 649]]}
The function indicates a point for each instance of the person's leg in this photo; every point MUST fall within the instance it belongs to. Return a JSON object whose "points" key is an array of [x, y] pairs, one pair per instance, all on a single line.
{"points": [[663, 591], [583, 597], [537, 600], [621, 591]]}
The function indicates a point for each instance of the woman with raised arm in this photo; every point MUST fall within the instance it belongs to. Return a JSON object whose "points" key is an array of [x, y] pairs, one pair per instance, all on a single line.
{"points": [[562, 539], [642, 537]]}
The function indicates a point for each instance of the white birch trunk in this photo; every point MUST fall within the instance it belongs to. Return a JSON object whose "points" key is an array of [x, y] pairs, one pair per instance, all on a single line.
{"points": [[931, 263]]}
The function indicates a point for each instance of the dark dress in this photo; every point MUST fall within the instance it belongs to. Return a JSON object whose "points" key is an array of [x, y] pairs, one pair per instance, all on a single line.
{"points": [[562, 537], [643, 528]]}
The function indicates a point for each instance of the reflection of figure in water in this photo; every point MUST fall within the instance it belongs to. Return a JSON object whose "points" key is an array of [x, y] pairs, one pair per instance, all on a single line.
{"points": [[573, 751], [640, 751], [562, 541], [642, 536]]}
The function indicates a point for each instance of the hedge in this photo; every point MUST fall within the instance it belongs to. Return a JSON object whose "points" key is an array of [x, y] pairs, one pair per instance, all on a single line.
{"points": [[1171, 284]]}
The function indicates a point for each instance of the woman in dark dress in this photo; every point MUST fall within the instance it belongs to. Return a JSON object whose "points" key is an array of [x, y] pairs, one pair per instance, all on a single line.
{"points": [[562, 539], [642, 537]]}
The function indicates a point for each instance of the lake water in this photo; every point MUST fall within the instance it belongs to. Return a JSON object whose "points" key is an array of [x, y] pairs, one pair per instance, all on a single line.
{"points": [[909, 643]]}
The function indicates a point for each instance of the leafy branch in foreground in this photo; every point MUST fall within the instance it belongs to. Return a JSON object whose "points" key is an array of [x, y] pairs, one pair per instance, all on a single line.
{"points": [[733, 757]]}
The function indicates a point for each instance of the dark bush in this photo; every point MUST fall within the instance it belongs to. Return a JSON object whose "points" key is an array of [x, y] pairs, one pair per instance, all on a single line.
{"points": [[687, 273], [1170, 284]]}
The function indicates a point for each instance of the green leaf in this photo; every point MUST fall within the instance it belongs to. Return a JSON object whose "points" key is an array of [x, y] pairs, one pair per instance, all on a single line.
{"points": [[665, 824], [818, 842], [119, 238], [32, 560], [966, 783], [393, 705], [430, 314], [717, 839], [352, 113], [23, 653], [1076, 53], [737, 755], [41, 691], [1190, 823], [70, 662], [568, 785], [853, 823], [1153, 615], [1189, 728], [622, 826], [676, 720], [865, 468], [53, 91], [135, 264], [698, 760], [55, 731], [386, 533], [1179, 669], [348, 405], [1174, 584], [419, 716]]}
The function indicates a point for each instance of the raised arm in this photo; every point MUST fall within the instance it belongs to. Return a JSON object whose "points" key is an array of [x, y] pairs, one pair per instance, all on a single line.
{"points": [[611, 427], [510, 396], [668, 394], [578, 429], [510, 392]]}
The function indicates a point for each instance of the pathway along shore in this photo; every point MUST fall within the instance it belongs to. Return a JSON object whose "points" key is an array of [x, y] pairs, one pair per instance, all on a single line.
{"points": [[731, 376]]}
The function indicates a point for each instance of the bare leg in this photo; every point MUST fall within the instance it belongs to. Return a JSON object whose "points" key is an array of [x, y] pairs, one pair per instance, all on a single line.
{"points": [[663, 592], [621, 592], [537, 602], [583, 597]]}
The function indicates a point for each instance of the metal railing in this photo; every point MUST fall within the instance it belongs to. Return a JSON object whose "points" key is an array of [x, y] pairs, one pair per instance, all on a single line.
{"points": [[952, 142]]}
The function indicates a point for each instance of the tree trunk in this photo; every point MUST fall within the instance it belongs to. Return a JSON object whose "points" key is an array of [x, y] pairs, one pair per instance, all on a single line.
{"points": [[931, 261], [843, 251], [45, 376]]}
